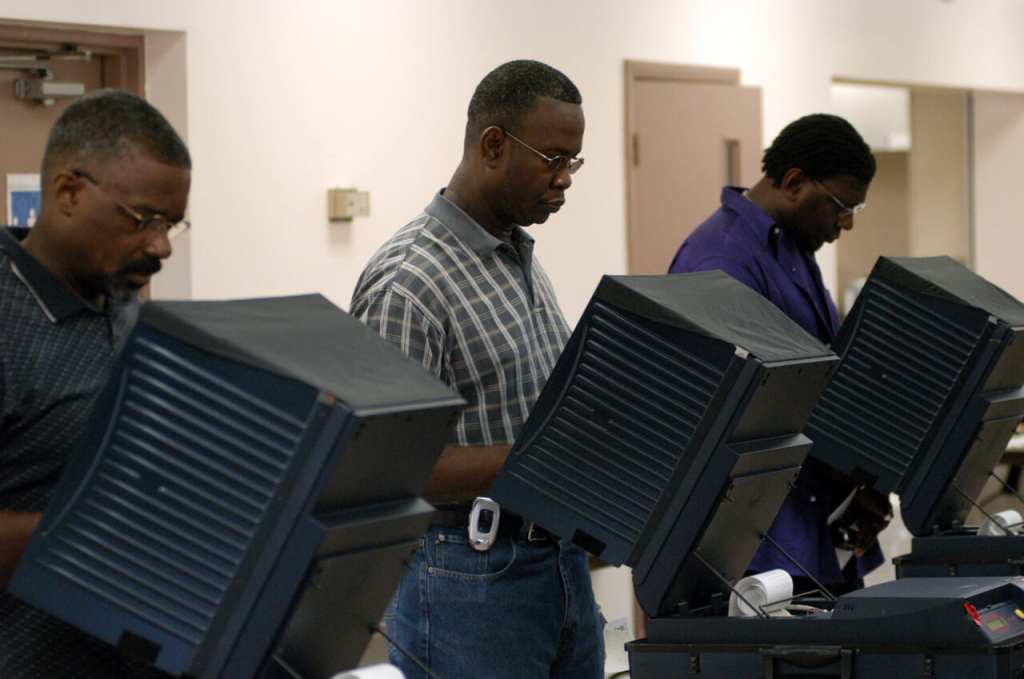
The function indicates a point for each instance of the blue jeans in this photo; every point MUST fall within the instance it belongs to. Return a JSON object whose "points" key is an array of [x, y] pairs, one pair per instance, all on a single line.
{"points": [[517, 611]]}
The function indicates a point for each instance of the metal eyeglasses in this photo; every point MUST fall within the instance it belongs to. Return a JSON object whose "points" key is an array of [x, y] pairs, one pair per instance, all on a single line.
{"points": [[844, 209], [555, 164], [154, 222]]}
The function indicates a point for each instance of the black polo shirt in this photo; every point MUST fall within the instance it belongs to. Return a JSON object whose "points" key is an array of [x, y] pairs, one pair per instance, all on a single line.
{"points": [[56, 352]]}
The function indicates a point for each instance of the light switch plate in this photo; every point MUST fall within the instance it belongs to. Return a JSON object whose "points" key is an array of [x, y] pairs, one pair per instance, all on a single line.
{"points": [[345, 204]]}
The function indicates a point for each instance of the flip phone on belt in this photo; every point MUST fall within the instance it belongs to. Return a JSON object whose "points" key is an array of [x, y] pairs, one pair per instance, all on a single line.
{"points": [[483, 523]]}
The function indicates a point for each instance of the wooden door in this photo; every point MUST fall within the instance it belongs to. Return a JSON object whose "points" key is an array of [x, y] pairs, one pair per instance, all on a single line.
{"points": [[689, 132]]}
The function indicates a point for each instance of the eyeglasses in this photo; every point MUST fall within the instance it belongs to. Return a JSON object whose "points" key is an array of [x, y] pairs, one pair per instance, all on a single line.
{"points": [[556, 164], [154, 222], [844, 209]]}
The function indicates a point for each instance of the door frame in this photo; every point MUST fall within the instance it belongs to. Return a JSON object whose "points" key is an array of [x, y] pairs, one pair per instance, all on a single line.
{"points": [[122, 55], [647, 71]]}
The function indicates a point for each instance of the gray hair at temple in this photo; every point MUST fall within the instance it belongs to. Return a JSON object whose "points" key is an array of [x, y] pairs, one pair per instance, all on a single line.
{"points": [[104, 125], [511, 90]]}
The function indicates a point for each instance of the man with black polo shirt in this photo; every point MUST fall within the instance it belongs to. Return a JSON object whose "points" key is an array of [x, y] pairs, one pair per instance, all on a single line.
{"points": [[115, 182]]}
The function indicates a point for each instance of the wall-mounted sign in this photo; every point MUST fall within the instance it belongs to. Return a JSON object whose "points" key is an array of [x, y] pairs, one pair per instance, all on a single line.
{"points": [[23, 199]]}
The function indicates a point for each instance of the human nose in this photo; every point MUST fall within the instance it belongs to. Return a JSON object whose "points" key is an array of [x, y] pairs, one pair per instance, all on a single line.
{"points": [[159, 244], [562, 179]]}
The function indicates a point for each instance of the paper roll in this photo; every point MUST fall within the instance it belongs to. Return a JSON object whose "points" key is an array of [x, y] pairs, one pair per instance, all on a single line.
{"points": [[770, 591], [1000, 523], [373, 672]]}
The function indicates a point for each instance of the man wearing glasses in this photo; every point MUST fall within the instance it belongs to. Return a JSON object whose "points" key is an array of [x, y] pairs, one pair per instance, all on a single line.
{"points": [[115, 183], [459, 290], [816, 178]]}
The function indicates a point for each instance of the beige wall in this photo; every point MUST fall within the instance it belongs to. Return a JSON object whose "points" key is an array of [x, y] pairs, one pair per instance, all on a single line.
{"points": [[167, 88], [999, 151], [939, 221], [881, 229]]}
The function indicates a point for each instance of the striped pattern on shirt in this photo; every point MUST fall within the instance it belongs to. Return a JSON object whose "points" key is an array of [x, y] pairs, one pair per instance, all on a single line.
{"points": [[478, 313]]}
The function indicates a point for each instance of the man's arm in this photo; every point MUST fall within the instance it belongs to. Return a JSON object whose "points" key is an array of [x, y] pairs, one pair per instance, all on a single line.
{"points": [[15, 530], [740, 270], [15, 527], [464, 472]]}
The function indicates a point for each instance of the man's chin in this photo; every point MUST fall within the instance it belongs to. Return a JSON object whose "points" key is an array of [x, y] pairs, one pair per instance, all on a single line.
{"points": [[123, 293], [127, 288], [134, 279]]}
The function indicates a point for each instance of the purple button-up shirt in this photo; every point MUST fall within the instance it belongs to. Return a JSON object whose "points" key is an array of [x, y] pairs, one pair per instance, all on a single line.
{"points": [[742, 240]]}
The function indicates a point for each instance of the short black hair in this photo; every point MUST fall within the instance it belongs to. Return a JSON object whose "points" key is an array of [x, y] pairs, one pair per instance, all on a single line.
{"points": [[823, 146], [511, 90], [104, 125]]}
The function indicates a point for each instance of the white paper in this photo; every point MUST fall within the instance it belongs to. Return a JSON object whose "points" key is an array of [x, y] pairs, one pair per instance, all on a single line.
{"points": [[770, 591], [1007, 520], [385, 671], [616, 635]]}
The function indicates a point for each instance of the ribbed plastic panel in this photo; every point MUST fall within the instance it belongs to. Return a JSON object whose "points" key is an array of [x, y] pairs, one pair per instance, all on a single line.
{"points": [[894, 378], [169, 514], [589, 456]]}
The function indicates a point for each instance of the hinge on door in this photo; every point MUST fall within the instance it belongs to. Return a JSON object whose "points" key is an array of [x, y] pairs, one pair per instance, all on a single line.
{"points": [[636, 150]]}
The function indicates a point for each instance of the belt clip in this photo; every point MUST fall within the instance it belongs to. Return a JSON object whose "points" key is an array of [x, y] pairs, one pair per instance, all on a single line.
{"points": [[483, 523]]}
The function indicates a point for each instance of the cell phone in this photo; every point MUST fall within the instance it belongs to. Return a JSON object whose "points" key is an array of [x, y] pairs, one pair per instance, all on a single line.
{"points": [[483, 523]]}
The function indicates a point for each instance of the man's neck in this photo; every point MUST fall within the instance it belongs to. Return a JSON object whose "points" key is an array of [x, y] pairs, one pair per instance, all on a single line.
{"points": [[467, 195], [762, 194], [766, 196], [47, 252]]}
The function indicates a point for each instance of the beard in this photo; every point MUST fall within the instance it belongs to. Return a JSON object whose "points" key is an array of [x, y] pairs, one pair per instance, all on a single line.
{"points": [[119, 288]]}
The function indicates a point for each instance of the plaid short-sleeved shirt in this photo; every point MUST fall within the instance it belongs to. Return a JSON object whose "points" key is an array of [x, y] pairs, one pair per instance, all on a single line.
{"points": [[477, 312]]}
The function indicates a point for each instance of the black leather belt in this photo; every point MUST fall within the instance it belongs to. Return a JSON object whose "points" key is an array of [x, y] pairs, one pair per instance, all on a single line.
{"points": [[508, 524]]}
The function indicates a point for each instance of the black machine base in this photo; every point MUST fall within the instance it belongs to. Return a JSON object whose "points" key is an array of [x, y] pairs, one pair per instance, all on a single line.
{"points": [[773, 661], [963, 555], [922, 627]]}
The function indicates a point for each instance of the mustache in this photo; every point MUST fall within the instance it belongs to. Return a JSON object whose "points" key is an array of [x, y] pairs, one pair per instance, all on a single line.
{"points": [[146, 267]]}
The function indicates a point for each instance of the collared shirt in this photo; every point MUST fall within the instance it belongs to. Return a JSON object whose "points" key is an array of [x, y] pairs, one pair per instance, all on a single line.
{"points": [[56, 352], [744, 241], [477, 312]]}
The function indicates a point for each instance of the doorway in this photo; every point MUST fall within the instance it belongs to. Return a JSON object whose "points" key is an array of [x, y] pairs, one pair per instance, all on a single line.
{"points": [[920, 200]]}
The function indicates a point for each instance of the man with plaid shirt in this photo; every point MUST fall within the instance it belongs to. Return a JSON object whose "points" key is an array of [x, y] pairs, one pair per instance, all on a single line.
{"points": [[458, 289]]}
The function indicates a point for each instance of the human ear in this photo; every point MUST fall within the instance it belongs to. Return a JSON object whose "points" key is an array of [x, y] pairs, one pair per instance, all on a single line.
{"points": [[793, 182], [492, 145], [65, 188]]}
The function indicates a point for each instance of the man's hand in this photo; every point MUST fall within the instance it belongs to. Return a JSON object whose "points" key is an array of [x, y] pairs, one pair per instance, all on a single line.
{"points": [[464, 472], [15, 530], [867, 516]]}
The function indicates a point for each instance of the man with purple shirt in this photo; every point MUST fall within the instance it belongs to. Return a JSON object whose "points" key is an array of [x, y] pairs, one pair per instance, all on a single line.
{"points": [[816, 178]]}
